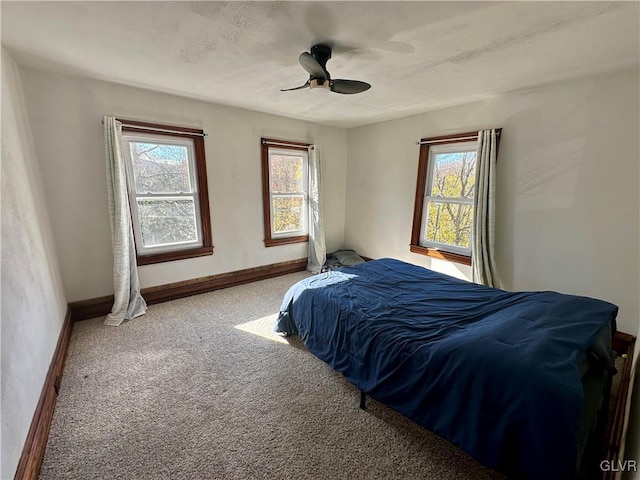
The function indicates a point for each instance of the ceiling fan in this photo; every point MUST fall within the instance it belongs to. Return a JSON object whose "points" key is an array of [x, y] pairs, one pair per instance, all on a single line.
{"points": [[316, 64]]}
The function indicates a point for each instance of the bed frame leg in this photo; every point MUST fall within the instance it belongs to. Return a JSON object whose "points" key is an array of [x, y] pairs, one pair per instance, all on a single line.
{"points": [[363, 400]]}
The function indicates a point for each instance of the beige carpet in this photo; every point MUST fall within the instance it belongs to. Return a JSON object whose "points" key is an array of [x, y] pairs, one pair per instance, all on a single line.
{"points": [[201, 388]]}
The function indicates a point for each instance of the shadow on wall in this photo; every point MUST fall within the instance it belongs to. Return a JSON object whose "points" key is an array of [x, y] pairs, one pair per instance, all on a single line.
{"points": [[548, 169]]}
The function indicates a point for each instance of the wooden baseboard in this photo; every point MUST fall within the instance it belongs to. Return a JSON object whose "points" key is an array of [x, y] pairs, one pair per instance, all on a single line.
{"points": [[36, 442], [98, 307], [91, 308]]}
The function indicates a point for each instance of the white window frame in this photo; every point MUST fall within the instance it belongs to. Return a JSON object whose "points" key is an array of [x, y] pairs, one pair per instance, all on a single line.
{"points": [[305, 193], [434, 150], [141, 249]]}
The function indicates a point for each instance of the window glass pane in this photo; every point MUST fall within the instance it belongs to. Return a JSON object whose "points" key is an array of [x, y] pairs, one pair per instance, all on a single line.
{"points": [[167, 221], [159, 168], [287, 214], [449, 223], [285, 173], [454, 174]]}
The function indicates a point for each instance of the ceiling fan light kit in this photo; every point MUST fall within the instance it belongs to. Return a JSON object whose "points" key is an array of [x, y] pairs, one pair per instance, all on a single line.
{"points": [[315, 63], [319, 84]]}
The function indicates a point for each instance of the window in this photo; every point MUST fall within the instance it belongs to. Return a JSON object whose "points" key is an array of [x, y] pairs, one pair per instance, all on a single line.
{"points": [[167, 182], [284, 192], [443, 212]]}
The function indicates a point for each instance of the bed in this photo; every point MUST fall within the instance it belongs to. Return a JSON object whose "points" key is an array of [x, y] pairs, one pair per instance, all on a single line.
{"points": [[499, 374]]}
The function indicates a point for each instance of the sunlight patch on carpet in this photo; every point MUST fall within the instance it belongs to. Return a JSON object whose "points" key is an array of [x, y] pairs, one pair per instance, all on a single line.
{"points": [[263, 327]]}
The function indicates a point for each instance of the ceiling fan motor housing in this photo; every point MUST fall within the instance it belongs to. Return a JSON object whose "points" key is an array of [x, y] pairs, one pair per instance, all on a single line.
{"points": [[322, 54]]}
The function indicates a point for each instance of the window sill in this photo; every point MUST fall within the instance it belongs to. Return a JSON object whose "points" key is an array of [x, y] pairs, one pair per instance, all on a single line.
{"points": [[274, 242], [176, 255], [432, 252]]}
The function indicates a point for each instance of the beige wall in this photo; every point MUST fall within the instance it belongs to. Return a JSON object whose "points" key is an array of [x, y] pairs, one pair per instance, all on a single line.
{"points": [[33, 302], [65, 115], [567, 187]]}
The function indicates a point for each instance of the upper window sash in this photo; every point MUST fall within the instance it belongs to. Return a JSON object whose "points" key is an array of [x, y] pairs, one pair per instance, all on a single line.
{"points": [[166, 140], [466, 147]]}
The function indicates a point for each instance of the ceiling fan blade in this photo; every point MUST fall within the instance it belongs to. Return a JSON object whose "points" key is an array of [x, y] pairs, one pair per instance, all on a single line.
{"points": [[312, 66], [295, 88], [349, 86]]}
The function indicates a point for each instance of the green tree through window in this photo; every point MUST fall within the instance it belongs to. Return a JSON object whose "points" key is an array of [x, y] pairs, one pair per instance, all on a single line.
{"points": [[287, 190], [450, 210], [284, 187]]}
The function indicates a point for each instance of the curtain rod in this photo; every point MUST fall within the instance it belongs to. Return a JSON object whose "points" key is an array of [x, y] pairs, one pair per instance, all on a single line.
{"points": [[282, 144], [450, 140], [164, 130], [160, 130]]}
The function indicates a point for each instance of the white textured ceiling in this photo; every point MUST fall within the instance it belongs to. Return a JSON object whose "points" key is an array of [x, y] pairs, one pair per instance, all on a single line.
{"points": [[418, 56]]}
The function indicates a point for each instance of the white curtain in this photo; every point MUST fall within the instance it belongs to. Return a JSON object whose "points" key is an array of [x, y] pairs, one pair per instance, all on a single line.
{"points": [[317, 249], [128, 303], [482, 248]]}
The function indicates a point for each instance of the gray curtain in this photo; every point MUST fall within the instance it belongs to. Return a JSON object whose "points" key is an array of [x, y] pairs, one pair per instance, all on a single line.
{"points": [[317, 248], [482, 246], [128, 303]]}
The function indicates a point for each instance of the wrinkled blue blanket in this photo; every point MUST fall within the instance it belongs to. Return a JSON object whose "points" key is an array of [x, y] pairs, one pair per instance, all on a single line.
{"points": [[494, 372]]}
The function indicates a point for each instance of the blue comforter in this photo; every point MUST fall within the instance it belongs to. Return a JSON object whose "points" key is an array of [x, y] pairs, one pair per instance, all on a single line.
{"points": [[494, 372]]}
